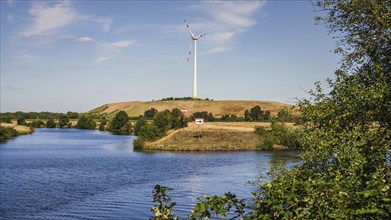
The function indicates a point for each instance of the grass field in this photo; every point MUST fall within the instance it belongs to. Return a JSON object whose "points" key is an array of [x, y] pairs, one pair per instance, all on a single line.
{"points": [[218, 108], [19, 128], [214, 136]]}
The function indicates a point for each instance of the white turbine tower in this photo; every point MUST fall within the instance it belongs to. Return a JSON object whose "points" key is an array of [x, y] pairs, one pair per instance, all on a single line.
{"points": [[194, 41]]}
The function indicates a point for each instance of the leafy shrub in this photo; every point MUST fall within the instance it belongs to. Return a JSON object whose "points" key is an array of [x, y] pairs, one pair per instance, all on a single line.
{"points": [[86, 122], [120, 124], [138, 143], [7, 133], [278, 135], [50, 123], [149, 132]]}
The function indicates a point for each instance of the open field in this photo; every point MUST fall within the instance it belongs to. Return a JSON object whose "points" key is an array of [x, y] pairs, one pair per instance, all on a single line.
{"points": [[214, 136], [19, 128], [218, 108]]}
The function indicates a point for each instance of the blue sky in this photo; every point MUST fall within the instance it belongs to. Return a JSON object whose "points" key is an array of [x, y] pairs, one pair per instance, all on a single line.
{"points": [[77, 55]]}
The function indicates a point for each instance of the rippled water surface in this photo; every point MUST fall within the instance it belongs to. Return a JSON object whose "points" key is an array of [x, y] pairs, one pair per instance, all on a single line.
{"points": [[83, 174]]}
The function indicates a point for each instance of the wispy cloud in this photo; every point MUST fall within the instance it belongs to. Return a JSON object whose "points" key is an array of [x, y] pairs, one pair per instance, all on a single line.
{"points": [[11, 2], [109, 51], [49, 20], [224, 21]]}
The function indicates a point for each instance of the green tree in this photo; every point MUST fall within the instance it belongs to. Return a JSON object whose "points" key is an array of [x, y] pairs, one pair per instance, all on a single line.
{"points": [[120, 124], [346, 162], [150, 113], [347, 137], [5, 119], [162, 120], [21, 121], [149, 132], [50, 123], [284, 115], [247, 116], [63, 122], [37, 124], [140, 122], [7, 133], [177, 119], [256, 113], [86, 122], [102, 125]]}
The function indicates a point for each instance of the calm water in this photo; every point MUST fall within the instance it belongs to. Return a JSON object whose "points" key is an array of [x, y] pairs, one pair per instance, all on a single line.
{"points": [[83, 174]]}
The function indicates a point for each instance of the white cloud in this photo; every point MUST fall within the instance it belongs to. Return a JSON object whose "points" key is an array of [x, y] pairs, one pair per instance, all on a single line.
{"points": [[85, 39], [109, 51], [50, 19], [122, 44], [224, 22], [10, 2], [47, 18]]}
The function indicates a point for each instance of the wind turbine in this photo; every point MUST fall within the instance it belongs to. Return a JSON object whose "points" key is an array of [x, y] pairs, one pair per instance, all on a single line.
{"points": [[193, 41]]}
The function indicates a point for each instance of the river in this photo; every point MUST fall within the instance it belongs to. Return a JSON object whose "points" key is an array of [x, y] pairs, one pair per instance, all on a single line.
{"points": [[84, 174]]}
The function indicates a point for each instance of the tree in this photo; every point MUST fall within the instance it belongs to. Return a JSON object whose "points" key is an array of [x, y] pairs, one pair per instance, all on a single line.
{"points": [[63, 122], [102, 125], [86, 122], [5, 119], [347, 135], [50, 123], [247, 116], [362, 30], [140, 122], [37, 124], [120, 124], [204, 114], [21, 121], [162, 120], [256, 113], [149, 132], [345, 169], [177, 119], [150, 113], [284, 115]]}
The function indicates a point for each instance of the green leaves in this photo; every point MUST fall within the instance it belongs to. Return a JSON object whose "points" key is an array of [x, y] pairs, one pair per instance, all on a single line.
{"points": [[219, 205], [163, 209]]}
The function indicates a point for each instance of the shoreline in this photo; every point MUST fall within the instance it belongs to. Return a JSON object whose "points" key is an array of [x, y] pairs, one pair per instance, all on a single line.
{"points": [[214, 137]]}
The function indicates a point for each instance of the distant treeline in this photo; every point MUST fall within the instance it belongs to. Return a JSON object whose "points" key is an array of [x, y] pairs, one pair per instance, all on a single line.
{"points": [[8, 116], [184, 99]]}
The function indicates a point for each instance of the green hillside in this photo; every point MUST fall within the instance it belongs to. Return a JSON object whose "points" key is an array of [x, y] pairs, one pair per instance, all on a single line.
{"points": [[218, 108]]}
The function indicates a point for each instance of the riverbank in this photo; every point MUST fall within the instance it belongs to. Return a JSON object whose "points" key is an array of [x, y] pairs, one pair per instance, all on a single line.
{"points": [[9, 131], [212, 136]]}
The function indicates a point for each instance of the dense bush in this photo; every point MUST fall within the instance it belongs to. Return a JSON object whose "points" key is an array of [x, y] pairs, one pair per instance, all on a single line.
{"points": [[150, 113], [279, 135], [86, 122], [37, 124], [139, 123], [150, 132], [7, 133], [50, 123], [163, 121], [120, 125], [63, 122]]}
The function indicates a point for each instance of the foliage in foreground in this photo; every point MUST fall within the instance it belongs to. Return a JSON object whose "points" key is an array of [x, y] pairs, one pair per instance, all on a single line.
{"points": [[346, 168]]}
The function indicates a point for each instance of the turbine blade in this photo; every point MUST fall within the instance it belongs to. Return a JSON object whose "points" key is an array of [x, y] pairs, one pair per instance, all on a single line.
{"points": [[191, 48], [200, 36], [188, 28]]}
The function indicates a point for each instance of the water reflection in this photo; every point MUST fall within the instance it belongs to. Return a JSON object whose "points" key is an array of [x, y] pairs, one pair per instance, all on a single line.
{"points": [[78, 174]]}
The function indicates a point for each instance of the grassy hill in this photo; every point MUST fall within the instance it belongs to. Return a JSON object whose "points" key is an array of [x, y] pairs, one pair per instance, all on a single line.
{"points": [[218, 108]]}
